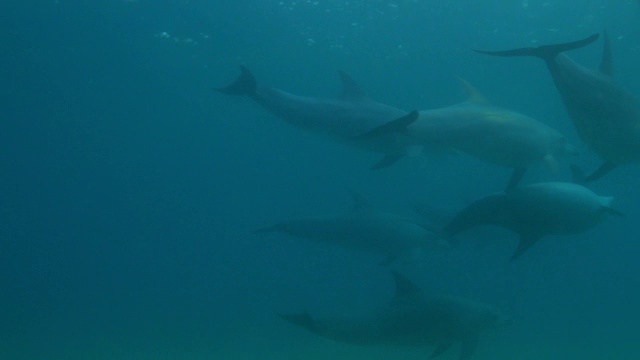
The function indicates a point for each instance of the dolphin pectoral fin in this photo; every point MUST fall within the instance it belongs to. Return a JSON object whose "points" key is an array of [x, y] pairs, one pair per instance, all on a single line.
{"points": [[514, 180], [440, 350], [552, 163], [387, 161], [245, 84], [469, 346], [526, 241], [545, 52], [606, 64], [388, 260], [303, 320], [394, 126], [603, 170], [577, 175]]}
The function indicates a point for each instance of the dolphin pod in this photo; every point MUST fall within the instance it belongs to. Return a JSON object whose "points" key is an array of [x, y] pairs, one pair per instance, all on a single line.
{"points": [[605, 115], [341, 118], [411, 319], [483, 131]]}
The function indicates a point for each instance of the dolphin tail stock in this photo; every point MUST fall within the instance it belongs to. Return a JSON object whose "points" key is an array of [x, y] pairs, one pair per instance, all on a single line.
{"points": [[545, 52], [245, 84], [303, 320]]}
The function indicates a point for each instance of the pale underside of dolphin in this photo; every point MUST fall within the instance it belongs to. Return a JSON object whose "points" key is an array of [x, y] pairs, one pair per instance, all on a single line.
{"points": [[535, 211], [604, 114], [365, 228], [483, 131], [411, 319], [341, 118]]}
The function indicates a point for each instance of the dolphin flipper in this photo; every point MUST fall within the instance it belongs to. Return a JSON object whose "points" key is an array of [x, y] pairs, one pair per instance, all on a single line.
{"points": [[469, 346], [398, 125], [516, 176], [526, 241], [603, 170], [440, 350], [303, 320], [387, 161], [545, 52], [245, 84]]}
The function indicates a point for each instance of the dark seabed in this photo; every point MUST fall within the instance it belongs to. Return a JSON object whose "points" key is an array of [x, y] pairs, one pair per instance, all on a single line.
{"points": [[130, 191]]}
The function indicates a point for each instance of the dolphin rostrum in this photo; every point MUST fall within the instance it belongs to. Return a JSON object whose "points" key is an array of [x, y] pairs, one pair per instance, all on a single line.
{"points": [[367, 229], [534, 211], [341, 118], [483, 131], [606, 116], [411, 319]]}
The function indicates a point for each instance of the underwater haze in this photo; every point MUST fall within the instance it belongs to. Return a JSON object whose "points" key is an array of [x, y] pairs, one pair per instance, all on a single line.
{"points": [[131, 191]]}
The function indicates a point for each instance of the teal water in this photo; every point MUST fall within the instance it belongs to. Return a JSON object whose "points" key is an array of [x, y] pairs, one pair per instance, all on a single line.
{"points": [[130, 190]]}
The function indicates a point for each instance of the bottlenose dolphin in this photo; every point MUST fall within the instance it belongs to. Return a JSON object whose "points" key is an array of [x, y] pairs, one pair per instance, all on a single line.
{"points": [[365, 228], [411, 319], [341, 118], [606, 116], [483, 131], [534, 211]]}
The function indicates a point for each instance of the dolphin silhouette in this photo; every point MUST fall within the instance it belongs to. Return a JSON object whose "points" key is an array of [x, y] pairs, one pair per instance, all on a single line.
{"points": [[605, 115], [341, 118], [534, 211], [365, 228], [411, 319], [483, 131]]}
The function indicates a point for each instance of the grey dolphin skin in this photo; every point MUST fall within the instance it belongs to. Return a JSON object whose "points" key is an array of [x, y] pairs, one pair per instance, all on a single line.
{"points": [[606, 116], [367, 229], [412, 319], [483, 131], [534, 211], [341, 118]]}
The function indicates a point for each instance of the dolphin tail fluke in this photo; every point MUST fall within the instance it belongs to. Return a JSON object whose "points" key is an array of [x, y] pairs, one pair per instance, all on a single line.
{"points": [[303, 320], [245, 84], [545, 52], [394, 126]]}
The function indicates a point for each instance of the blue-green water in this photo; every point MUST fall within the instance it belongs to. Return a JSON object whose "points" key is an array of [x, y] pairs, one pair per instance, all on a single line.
{"points": [[130, 190]]}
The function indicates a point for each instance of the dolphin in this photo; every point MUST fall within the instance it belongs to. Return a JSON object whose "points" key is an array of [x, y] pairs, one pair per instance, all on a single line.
{"points": [[411, 319], [605, 115], [534, 211], [484, 131], [367, 229], [341, 118]]}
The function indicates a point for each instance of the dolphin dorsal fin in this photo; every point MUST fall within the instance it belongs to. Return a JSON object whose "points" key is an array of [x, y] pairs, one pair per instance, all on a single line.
{"points": [[359, 202], [350, 88], [606, 64], [474, 95], [404, 286]]}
